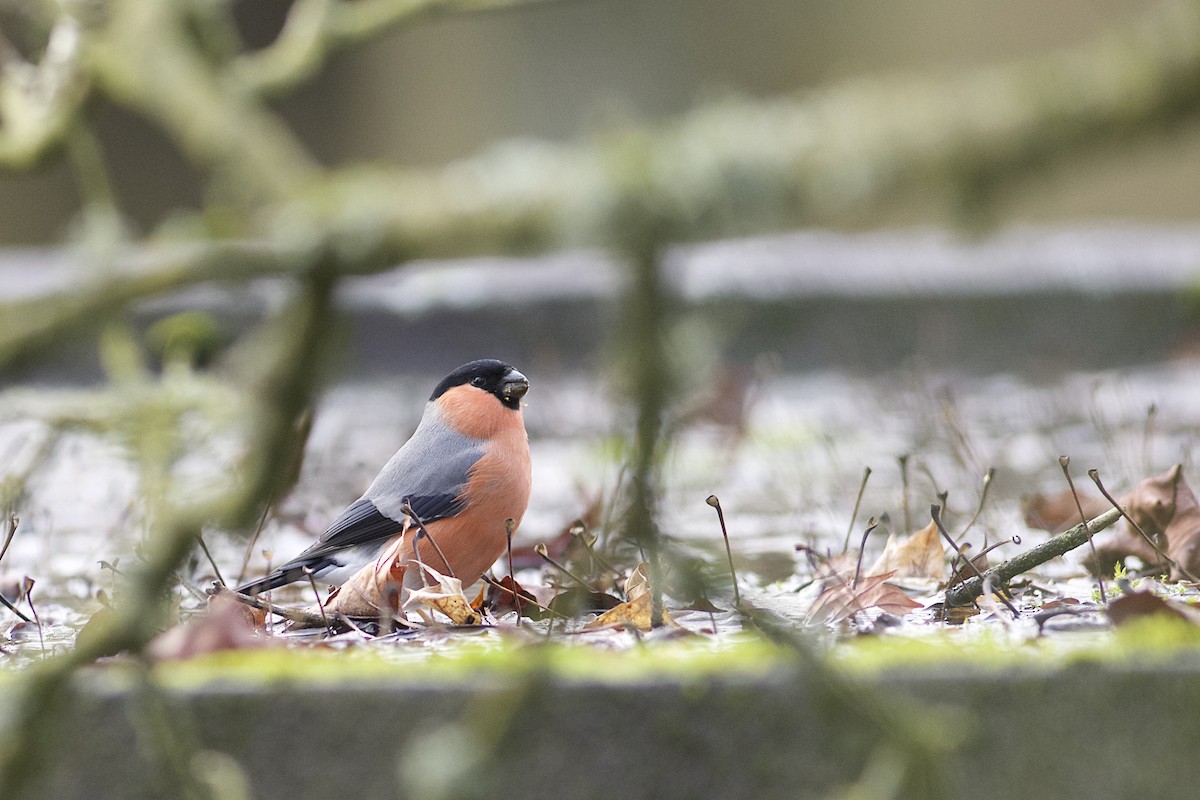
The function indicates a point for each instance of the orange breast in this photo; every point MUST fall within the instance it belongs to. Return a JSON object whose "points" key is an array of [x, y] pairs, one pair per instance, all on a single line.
{"points": [[497, 489]]}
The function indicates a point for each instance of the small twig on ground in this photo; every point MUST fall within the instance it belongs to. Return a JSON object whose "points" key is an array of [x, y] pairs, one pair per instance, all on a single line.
{"points": [[296, 615], [936, 513], [715, 502], [871, 525], [579, 531], [422, 531], [903, 460], [966, 592], [1065, 462], [312, 581], [987, 482], [207, 554], [541, 550], [258, 527], [37, 620], [11, 522], [862, 487], [508, 532], [1148, 436]]}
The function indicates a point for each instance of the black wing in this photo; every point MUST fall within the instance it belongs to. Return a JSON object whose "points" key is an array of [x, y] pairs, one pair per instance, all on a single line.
{"points": [[360, 524]]}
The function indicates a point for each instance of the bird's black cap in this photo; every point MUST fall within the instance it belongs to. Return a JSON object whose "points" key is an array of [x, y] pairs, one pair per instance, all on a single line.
{"points": [[489, 375]]}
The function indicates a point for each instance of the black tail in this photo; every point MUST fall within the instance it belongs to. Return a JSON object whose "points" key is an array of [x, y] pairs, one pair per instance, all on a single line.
{"points": [[288, 573]]}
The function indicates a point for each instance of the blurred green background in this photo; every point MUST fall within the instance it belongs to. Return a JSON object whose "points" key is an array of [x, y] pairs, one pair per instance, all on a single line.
{"points": [[446, 88]]}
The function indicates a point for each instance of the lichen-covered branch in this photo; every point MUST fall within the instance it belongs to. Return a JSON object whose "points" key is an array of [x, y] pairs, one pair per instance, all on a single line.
{"points": [[723, 169], [284, 389], [143, 56], [39, 101], [968, 590]]}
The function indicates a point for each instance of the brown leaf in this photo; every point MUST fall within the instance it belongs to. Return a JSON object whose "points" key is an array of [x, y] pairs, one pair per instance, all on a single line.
{"points": [[839, 600], [501, 599], [578, 600], [921, 555], [1057, 512], [374, 590], [1167, 510], [1136, 605], [226, 625]]}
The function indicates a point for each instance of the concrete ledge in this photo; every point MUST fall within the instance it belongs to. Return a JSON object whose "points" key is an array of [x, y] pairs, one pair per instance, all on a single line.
{"points": [[1087, 731]]}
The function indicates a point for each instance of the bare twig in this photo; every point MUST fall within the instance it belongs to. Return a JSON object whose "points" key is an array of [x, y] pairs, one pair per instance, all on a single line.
{"points": [[936, 513], [871, 524], [1065, 462], [207, 554], [312, 581], [423, 532], [862, 487], [508, 534], [11, 523], [297, 615], [542, 552], [965, 592], [716, 503], [987, 482]]}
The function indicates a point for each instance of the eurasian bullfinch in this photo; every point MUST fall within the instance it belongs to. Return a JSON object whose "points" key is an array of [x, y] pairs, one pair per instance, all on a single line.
{"points": [[464, 471]]}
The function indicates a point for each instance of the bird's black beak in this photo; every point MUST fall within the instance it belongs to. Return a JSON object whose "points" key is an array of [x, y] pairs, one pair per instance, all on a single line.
{"points": [[514, 386]]}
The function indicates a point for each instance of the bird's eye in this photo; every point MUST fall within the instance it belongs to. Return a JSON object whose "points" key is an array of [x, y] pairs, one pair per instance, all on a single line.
{"points": [[479, 381]]}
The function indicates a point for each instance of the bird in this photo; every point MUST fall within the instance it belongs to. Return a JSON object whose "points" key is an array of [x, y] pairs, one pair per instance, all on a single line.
{"points": [[463, 473]]}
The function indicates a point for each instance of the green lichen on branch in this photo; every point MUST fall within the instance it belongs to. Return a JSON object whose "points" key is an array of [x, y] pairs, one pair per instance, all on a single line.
{"points": [[966, 592]]}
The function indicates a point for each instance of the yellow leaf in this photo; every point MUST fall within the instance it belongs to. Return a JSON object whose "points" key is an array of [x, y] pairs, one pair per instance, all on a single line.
{"points": [[634, 612]]}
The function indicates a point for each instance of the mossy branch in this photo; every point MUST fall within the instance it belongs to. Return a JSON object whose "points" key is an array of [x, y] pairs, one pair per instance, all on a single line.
{"points": [[285, 389], [727, 168], [966, 592]]}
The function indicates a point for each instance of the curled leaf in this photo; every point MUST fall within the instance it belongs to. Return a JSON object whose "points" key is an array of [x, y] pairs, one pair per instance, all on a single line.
{"points": [[921, 555], [446, 597]]}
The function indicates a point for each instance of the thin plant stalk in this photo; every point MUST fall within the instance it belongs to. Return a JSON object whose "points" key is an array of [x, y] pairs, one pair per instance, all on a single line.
{"points": [[862, 487], [1064, 462], [716, 503]]}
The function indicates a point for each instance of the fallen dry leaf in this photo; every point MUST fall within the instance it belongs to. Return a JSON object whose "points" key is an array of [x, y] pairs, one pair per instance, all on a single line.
{"points": [[839, 600], [446, 597], [921, 555], [634, 613], [1136, 605], [225, 625], [580, 600], [501, 598], [372, 592], [638, 582], [1165, 507]]}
